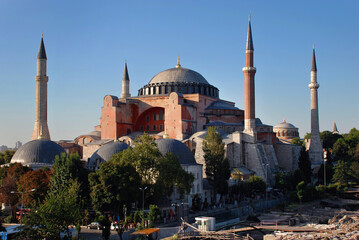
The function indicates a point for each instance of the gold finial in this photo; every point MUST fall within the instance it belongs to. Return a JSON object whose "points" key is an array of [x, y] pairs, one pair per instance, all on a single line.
{"points": [[249, 16], [284, 120], [313, 45], [178, 62], [40, 135], [125, 60], [42, 35]]}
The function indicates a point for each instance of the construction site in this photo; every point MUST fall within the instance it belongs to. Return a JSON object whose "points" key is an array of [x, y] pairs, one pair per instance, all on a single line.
{"points": [[315, 220]]}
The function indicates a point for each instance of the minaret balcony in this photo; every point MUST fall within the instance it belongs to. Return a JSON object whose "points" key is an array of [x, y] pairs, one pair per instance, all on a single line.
{"points": [[249, 69], [313, 86]]}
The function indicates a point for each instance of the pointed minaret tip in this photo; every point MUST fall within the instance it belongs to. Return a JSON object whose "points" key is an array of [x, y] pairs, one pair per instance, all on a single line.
{"points": [[335, 129], [178, 62], [125, 72], [314, 63], [249, 45], [42, 53]]}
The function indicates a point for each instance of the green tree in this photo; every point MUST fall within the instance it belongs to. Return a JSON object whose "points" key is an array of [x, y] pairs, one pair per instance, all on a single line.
{"points": [[300, 189], [5, 157], [66, 168], [171, 174], [341, 173], [256, 184], [59, 210], [340, 149], [304, 166], [114, 184], [308, 136], [8, 154], [145, 157], [354, 170], [328, 139], [217, 166], [297, 141], [153, 214], [158, 173], [352, 139], [347, 148]]}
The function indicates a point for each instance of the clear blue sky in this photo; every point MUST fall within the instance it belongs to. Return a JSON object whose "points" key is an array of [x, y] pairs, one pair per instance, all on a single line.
{"points": [[87, 43]]}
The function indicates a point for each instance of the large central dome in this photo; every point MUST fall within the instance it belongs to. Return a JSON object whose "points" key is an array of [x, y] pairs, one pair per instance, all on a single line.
{"points": [[179, 80], [179, 75]]}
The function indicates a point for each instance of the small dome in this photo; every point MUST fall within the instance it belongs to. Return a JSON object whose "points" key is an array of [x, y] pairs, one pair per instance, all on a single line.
{"points": [[104, 153], [39, 153], [179, 149], [179, 75], [285, 125], [95, 133]]}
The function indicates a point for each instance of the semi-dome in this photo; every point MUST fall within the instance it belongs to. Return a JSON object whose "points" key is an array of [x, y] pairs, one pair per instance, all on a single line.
{"points": [[104, 153], [179, 80], [179, 149], [37, 153]]}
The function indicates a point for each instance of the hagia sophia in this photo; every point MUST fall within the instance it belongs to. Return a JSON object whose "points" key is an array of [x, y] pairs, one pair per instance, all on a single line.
{"points": [[176, 107]]}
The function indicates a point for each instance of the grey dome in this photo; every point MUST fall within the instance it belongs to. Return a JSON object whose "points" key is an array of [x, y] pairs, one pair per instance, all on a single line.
{"points": [[285, 125], [95, 133], [179, 80], [104, 153], [179, 75], [179, 149], [37, 152]]}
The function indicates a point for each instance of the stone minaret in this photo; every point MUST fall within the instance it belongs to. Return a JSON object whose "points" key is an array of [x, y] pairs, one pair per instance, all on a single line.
{"points": [[125, 83], [41, 129], [315, 148], [249, 71]]}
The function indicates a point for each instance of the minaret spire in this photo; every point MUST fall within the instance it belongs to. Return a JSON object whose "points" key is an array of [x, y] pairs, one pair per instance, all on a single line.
{"points": [[335, 129], [314, 63], [249, 94], [178, 62], [249, 45], [41, 129], [315, 148], [125, 83], [42, 53]]}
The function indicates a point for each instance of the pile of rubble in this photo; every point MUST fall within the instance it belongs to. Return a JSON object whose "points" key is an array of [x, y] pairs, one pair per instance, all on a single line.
{"points": [[344, 225]]}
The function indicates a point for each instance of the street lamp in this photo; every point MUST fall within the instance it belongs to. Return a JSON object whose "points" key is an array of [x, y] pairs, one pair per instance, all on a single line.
{"points": [[22, 201], [143, 204]]}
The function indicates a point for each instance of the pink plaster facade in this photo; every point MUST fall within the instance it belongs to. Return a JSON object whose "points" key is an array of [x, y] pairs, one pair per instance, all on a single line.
{"points": [[178, 115]]}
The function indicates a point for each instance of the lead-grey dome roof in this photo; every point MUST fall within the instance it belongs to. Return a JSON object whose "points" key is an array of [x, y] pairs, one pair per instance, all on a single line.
{"points": [[104, 153], [179, 149], [179, 75], [285, 125], [37, 152], [180, 80]]}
